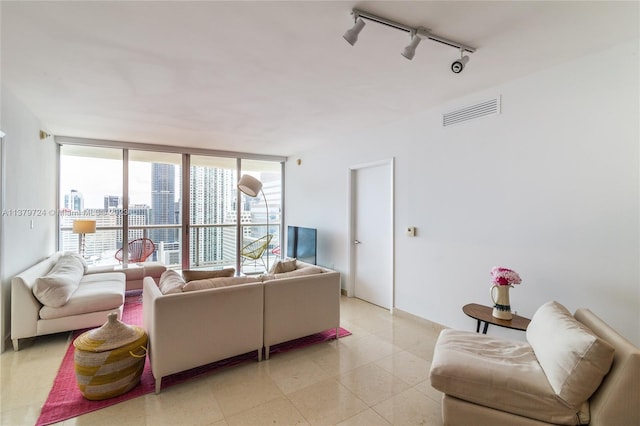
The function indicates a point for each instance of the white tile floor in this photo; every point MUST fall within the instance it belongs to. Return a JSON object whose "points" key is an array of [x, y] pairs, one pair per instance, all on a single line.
{"points": [[377, 376]]}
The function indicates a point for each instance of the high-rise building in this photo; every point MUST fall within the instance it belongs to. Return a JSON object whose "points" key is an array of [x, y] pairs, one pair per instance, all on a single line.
{"points": [[74, 201], [112, 202], [139, 215], [163, 194], [212, 194]]}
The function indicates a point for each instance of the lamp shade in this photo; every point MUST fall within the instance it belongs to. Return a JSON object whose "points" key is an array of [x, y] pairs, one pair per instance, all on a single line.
{"points": [[84, 226], [249, 185]]}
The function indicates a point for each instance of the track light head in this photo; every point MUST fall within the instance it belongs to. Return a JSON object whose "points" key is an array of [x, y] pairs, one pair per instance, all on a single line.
{"points": [[410, 51], [458, 65], [352, 34]]}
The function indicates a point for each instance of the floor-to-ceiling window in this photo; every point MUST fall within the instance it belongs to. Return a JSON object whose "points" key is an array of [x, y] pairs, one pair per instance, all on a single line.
{"points": [[91, 189], [154, 208], [261, 216], [212, 217], [128, 189]]}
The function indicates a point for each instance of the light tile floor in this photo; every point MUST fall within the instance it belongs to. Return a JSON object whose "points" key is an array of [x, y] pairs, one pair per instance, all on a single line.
{"points": [[377, 376]]}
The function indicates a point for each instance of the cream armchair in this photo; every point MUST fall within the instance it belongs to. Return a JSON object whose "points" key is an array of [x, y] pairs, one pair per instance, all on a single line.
{"points": [[574, 370]]}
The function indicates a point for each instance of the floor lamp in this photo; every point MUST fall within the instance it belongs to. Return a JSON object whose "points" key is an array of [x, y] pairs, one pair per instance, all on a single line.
{"points": [[83, 227], [252, 187]]}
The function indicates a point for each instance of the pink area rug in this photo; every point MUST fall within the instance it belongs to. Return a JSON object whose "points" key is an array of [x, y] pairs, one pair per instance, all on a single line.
{"points": [[65, 400]]}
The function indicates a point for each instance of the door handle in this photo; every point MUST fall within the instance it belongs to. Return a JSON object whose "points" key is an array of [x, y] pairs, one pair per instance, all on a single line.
{"points": [[356, 242]]}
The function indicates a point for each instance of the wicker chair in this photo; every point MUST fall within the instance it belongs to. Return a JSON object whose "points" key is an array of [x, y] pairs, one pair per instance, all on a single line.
{"points": [[255, 250], [139, 250]]}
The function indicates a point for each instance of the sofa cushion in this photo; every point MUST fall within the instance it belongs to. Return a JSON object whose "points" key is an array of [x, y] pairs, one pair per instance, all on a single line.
{"points": [[170, 282], [498, 373], [307, 270], [282, 266], [203, 275], [55, 288], [95, 293], [218, 282], [573, 358]]}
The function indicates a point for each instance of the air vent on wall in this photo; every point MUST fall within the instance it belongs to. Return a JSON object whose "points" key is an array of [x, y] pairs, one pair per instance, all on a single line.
{"points": [[482, 109]]}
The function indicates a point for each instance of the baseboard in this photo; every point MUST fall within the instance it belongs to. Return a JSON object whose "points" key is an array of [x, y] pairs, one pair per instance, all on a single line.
{"points": [[403, 314]]}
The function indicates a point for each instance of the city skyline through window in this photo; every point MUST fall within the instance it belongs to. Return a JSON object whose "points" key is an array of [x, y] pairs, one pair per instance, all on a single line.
{"points": [[91, 187]]}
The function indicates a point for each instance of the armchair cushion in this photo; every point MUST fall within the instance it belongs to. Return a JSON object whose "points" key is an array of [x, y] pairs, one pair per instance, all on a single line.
{"points": [[573, 358], [55, 288], [498, 373]]}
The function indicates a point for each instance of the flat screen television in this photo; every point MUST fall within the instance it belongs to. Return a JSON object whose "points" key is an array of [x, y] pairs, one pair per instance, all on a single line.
{"points": [[301, 243]]}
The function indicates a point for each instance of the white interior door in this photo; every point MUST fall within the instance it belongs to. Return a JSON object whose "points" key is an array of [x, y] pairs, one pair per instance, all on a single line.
{"points": [[372, 245]]}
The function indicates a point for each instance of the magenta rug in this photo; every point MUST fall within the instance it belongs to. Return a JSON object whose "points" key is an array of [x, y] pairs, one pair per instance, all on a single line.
{"points": [[65, 400]]}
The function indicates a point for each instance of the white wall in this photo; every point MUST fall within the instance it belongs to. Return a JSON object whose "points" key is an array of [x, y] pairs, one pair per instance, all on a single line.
{"points": [[550, 188], [29, 185]]}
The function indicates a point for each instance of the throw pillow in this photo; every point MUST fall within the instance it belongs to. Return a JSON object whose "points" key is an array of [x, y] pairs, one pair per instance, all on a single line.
{"points": [[203, 275], [282, 266], [307, 270], [170, 282], [573, 358], [84, 263], [56, 288], [218, 282], [266, 277]]}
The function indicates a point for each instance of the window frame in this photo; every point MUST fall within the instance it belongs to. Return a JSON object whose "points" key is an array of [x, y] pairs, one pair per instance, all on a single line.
{"points": [[186, 154]]}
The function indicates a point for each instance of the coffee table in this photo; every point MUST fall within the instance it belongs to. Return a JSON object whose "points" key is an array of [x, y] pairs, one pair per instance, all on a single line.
{"points": [[482, 313]]}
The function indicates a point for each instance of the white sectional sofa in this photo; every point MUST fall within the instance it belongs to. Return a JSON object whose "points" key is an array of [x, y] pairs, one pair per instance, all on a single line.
{"points": [[235, 315], [81, 301]]}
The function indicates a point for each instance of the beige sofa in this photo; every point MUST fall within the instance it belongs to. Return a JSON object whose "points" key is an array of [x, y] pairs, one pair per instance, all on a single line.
{"points": [[572, 370], [134, 273], [299, 306], [188, 329], [87, 302]]}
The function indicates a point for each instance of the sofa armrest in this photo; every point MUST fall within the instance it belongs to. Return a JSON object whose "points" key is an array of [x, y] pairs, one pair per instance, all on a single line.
{"points": [[150, 292], [25, 308], [615, 402], [299, 306]]}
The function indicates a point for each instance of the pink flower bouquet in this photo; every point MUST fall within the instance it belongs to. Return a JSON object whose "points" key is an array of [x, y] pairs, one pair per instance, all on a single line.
{"points": [[504, 276]]}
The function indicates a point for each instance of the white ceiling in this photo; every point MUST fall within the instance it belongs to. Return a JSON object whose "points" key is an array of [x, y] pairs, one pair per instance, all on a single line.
{"points": [[273, 77]]}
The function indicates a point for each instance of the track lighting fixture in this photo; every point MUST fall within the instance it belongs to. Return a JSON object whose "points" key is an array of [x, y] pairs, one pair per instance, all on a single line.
{"points": [[417, 35], [352, 34], [458, 65], [410, 51]]}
